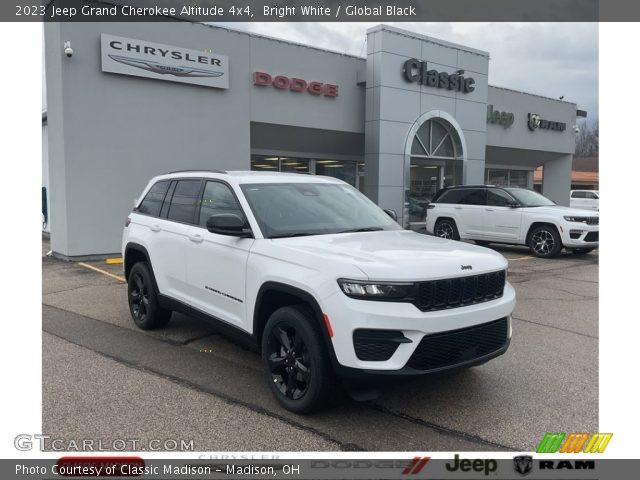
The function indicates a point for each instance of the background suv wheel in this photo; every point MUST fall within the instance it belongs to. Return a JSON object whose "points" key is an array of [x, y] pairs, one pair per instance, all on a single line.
{"points": [[295, 360], [143, 299], [446, 228], [545, 242]]}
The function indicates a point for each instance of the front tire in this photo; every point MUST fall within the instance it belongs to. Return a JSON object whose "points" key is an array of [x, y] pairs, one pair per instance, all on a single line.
{"points": [[446, 228], [545, 242], [143, 299], [295, 359]]}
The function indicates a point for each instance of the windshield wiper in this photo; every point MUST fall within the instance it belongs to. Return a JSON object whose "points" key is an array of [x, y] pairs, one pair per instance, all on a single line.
{"points": [[295, 234], [365, 229]]}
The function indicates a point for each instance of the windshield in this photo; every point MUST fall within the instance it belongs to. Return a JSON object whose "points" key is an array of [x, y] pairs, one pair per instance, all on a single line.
{"points": [[529, 198], [295, 209]]}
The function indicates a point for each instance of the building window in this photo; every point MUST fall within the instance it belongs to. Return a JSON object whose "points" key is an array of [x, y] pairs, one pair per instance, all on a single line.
{"points": [[348, 171], [345, 171], [502, 177]]}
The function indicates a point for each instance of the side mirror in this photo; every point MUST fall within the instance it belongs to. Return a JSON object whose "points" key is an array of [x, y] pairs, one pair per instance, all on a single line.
{"points": [[228, 224], [392, 214], [514, 205]]}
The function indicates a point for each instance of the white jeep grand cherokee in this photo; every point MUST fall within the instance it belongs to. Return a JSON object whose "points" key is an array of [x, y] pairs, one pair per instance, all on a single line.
{"points": [[489, 214], [320, 279]]}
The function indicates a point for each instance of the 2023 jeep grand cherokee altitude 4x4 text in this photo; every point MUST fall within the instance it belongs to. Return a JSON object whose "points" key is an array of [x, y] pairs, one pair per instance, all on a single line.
{"points": [[320, 279]]}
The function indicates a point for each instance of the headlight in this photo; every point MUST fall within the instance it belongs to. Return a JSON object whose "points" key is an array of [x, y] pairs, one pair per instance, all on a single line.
{"points": [[373, 290], [576, 219]]}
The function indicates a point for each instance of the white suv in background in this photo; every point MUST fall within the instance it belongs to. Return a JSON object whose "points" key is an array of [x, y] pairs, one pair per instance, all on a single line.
{"points": [[585, 199], [315, 275], [489, 214]]}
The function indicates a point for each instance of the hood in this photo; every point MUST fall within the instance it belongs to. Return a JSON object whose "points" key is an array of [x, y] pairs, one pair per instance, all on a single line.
{"points": [[560, 210], [394, 255]]}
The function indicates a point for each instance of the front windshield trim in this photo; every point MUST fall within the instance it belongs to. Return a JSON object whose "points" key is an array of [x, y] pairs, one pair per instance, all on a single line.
{"points": [[330, 214]]}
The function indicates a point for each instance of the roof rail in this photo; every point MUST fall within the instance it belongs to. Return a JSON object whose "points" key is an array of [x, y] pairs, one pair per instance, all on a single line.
{"points": [[196, 170]]}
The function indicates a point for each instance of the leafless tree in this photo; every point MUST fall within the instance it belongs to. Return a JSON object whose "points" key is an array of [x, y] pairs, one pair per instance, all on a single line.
{"points": [[587, 140]]}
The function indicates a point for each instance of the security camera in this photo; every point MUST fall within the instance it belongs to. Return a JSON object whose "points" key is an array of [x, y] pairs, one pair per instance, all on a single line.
{"points": [[68, 51], [576, 129]]}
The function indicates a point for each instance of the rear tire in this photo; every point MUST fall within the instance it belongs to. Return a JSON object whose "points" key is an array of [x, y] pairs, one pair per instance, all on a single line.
{"points": [[296, 360], [446, 228], [143, 299], [544, 242]]}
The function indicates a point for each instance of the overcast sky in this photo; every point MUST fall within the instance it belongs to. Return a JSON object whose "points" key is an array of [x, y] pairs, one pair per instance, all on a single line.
{"points": [[550, 59]]}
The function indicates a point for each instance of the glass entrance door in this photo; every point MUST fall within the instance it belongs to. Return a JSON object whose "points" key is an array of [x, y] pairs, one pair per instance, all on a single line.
{"points": [[425, 181]]}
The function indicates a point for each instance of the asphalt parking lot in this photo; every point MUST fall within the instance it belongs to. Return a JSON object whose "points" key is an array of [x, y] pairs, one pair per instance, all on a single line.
{"points": [[104, 379]]}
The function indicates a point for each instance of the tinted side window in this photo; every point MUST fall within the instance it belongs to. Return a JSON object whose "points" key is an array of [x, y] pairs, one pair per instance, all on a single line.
{"points": [[473, 196], [590, 195], [167, 200], [451, 196], [218, 198], [498, 198], [579, 195], [183, 202], [153, 200]]}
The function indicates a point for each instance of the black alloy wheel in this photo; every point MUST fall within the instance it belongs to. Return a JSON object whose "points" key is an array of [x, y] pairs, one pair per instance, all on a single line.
{"points": [[296, 360], [143, 299], [289, 361]]}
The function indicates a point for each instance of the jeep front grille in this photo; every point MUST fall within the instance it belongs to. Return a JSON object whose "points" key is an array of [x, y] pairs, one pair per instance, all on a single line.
{"points": [[459, 292]]}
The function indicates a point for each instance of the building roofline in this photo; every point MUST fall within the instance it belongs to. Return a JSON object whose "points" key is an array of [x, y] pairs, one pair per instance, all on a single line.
{"points": [[279, 40], [426, 38], [533, 95]]}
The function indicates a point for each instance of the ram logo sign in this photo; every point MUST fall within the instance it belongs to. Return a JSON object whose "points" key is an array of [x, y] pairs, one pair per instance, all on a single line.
{"points": [[574, 442]]}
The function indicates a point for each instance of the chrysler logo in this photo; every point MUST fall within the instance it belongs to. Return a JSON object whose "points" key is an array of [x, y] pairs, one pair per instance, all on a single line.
{"points": [[163, 69]]}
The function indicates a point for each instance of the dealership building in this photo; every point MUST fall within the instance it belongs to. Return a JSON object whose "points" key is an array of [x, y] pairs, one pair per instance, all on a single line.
{"points": [[135, 100]]}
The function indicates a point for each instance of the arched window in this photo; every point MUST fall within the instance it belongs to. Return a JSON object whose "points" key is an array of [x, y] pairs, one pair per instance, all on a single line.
{"points": [[437, 138]]}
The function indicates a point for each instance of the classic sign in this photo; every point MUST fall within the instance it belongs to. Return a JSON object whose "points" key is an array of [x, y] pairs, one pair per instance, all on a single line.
{"points": [[128, 56], [417, 71]]}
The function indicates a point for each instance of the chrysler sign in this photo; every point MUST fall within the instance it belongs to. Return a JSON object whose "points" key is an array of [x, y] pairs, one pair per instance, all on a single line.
{"points": [[128, 56]]}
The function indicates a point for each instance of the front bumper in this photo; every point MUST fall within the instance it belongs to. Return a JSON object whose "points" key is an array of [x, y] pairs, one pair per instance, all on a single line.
{"points": [[580, 235], [348, 315]]}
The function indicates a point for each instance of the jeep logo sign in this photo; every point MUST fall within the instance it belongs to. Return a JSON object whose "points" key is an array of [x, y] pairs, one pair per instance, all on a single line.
{"points": [[499, 118], [417, 71]]}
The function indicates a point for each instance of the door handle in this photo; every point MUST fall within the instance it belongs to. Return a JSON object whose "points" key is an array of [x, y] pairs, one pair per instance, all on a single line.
{"points": [[155, 228], [196, 238], [489, 209], [458, 208]]}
